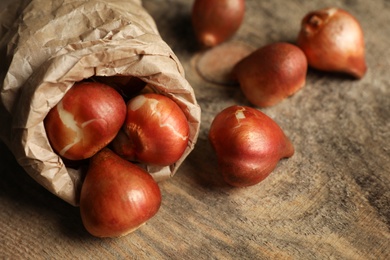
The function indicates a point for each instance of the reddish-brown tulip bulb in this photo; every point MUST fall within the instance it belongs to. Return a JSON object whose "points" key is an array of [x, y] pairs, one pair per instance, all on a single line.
{"points": [[271, 73], [248, 145], [215, 21], [155, 132], [332, 40], [117, 197], [87, 118]]}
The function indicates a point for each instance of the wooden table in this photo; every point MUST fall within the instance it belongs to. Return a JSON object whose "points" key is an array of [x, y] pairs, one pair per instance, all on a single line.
{"points": [[331, 200]]}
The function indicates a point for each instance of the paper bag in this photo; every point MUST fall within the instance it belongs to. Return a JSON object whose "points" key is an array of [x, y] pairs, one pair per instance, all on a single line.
{"points": [[47, 46]]}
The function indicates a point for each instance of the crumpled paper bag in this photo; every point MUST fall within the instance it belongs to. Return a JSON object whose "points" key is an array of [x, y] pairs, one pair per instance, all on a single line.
{"points": [[47, 46]]}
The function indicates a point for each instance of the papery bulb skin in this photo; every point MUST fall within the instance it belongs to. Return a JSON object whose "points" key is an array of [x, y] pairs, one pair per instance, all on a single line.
{"points": [[215, 21], [271, 73], [87, 118], [157, 131], [248, 145], [117, 197], [332, 40]]}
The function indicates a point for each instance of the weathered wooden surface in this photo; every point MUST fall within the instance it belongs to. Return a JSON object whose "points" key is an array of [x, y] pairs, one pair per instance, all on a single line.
{"points": [[331, 200]]}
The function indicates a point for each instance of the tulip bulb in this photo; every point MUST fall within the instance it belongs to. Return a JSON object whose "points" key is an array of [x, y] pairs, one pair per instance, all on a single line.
{"points": [[117, 197], [332, 40], [248, 145], [271, 73], [215, 21], [155, 132], [87, 118]]}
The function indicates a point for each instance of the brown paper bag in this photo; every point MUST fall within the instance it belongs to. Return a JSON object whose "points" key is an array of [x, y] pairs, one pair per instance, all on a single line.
{"points": [[52, 45]]}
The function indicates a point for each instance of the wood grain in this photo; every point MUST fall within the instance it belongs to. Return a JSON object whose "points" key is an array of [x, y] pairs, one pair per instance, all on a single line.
{"points": [[331, 200]]}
